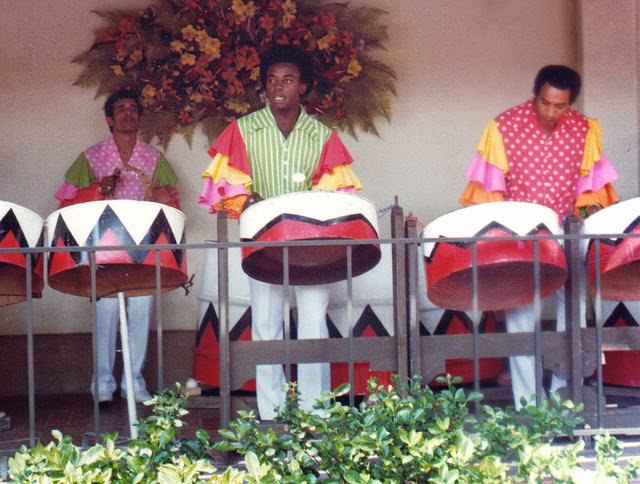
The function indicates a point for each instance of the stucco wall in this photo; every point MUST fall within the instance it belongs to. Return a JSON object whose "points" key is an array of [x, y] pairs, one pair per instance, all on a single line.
{"points": [[458, 64]]}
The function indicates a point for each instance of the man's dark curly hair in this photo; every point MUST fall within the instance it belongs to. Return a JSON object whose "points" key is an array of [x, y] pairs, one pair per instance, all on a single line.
{"points": [[117, 96], [289, 54], [560, 77]]}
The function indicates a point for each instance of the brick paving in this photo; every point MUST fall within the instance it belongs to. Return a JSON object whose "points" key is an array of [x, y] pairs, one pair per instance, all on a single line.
{"points": [[74, 415]]}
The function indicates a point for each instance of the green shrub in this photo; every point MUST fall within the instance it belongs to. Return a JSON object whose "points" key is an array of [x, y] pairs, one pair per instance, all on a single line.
{"points": [[400, 433]]}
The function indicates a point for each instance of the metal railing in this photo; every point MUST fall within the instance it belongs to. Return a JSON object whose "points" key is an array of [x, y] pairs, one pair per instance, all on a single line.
{"points": [[574, 353]]}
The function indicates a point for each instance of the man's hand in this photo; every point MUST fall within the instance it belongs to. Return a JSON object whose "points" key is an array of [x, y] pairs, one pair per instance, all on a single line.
{"points": [[108, 184], [251, 199]]}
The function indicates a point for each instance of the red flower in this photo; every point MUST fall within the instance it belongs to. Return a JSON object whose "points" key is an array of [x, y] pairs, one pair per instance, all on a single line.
{"points": [[327, 19]]}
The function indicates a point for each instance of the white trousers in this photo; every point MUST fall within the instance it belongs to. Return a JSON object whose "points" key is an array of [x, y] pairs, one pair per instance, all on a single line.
{"points": [[523, 368], [107, 315], [267, 315]]}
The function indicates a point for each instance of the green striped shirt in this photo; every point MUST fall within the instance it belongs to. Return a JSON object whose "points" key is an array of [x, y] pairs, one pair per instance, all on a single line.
{"points": [[282, 165]]}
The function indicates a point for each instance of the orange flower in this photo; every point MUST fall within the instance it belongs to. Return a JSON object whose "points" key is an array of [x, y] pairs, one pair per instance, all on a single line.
{"points": [[177, 45], [117, 69], [243, 10], [327, 41], [188, 59], [188, 32], [121, 53], [267, 23], [211, 48], [149, 91]]}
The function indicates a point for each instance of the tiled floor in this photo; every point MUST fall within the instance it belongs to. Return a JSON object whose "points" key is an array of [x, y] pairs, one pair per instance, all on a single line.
{"points": [[74, 415]]}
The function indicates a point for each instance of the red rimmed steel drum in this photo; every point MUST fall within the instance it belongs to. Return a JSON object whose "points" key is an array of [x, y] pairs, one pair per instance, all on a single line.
{"points": [[110, 223], [619, 257], [309, 216], [505, 267], [619, 277], [19, 228]]}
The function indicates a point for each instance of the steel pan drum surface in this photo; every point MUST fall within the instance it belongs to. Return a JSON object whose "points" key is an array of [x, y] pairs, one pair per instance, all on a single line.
{"points": [[19, 227], [505, 267], [111, 223], [309, 216]]}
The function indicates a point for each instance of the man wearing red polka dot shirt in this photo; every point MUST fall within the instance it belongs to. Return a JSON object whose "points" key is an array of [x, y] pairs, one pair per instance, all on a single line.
{"points": [[542, 151]]}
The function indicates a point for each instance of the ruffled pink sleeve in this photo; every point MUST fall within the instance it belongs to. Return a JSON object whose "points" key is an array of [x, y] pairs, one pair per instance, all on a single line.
{"points": [[602, 173], [227, 178], [67, 191], [490, 177]]}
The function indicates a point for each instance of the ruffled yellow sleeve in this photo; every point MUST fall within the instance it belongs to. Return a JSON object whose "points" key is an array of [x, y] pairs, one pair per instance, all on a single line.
{"points": [[592, 147], [491, 147], [342, 177], [219, 169], [474, 194]]}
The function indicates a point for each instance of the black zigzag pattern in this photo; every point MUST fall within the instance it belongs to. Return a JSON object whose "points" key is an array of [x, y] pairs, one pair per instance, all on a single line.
{"points": [[493, 225], [108, 220]]}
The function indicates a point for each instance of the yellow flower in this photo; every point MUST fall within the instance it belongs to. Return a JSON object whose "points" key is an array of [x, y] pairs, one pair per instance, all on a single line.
{"points": [[188, 32], [149, 91], [326, 41], [251, 9], [117, 69], [177, 45], [196, 97], [188, 59], [289, 7], [354, 68], [255, 74], [239, 107], [211, 48]]}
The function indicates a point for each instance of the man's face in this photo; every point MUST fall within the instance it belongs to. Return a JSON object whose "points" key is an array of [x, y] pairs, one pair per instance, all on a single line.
{"points": [[284, 87], [550, 105], [126, 118]]}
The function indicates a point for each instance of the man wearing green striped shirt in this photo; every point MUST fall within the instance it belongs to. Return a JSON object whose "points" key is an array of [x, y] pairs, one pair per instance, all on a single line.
{"points": [[277, 150]]}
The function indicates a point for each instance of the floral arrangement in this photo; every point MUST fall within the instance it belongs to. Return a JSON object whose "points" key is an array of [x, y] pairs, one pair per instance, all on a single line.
{"points": [[197, 62]]}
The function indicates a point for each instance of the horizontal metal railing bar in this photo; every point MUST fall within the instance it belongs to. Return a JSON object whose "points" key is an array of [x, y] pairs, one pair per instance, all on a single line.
{"points": [[315, 242], [315, 350]]}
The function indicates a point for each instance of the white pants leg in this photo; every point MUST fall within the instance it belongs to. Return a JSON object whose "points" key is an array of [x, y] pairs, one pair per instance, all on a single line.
{"points": [[106, 331], [313, 378], [523, 370], [523, 381], [107, 314], [267, 314]]}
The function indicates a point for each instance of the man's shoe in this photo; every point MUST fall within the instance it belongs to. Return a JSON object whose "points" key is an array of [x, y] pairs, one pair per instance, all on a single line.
{"points": [[141, 395], [104, 396]]}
